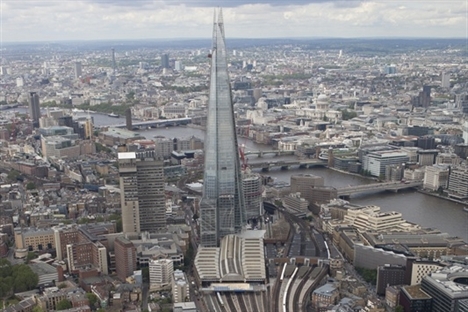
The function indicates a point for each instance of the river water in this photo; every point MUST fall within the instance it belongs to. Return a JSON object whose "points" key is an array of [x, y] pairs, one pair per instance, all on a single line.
{"points": [[428, 211]]}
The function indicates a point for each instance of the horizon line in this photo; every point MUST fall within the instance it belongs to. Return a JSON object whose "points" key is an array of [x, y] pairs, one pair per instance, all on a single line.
{"points": [[240, 38]]}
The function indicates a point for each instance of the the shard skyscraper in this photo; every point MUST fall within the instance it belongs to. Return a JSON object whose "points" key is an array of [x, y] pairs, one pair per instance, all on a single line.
{"points": [[222, 206]]}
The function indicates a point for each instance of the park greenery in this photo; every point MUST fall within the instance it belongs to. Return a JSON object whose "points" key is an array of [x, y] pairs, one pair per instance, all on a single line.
{"points": [[370, 276], [16, 278], [347, 115], [107, 107], [64, 305]]}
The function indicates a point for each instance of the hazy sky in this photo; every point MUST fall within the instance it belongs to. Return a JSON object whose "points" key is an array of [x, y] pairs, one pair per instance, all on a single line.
{"points": [[32, 20]]}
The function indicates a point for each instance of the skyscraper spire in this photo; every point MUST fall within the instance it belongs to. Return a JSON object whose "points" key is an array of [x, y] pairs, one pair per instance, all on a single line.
{"points": [[222, 208]]}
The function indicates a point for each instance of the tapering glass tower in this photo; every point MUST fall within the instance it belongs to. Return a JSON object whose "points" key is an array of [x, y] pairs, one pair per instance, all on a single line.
{"points": [[222, 206]]}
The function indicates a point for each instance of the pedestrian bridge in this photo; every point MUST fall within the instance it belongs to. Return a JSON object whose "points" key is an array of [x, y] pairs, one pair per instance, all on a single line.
{"points": [[385, 186]]}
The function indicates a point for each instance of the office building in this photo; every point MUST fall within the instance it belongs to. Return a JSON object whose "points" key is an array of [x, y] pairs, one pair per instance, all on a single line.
{"points": [[447, 159], [165, 61], [413, 299], [448, 289], [371, 258], [160, 273], [297, 205], [253, 188], [34, 109], [325, 296], [417, 269], [375, 163], [427, 142], [64, 235], [222, 209], [304, 183], [436, 176], [427, 157], [180, 287], [114, 66], [389, 275], [83, 255], [34, 239], [142, 192], [125, 258], [394, 172], [128, 119], [423, 99], [458, 183], [77, 70], [445, 81]]}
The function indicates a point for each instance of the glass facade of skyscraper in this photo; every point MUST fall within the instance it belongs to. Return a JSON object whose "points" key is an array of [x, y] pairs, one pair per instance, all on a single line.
{"points": [[222, 207]]}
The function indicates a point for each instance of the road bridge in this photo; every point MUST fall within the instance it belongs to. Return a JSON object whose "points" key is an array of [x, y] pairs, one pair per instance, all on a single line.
{"points": [[385, 186], [260, 154], [286, 164], [158, 123]]}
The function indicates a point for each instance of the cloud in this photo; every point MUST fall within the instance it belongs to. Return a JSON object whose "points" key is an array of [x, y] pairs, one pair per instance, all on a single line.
{"points": [[212, 3], [26, 20]]}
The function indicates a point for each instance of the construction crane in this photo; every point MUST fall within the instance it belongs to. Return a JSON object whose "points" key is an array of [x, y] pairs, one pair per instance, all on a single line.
{"points": [[244, 160]]}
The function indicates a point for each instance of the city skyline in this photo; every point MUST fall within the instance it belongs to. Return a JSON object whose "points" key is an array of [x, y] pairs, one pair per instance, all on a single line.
{"points": [[26, 21]]}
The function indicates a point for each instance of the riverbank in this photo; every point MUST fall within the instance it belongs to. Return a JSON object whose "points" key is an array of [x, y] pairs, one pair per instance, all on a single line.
{"points": [[461, 202], [353, 174], [191, 125]]}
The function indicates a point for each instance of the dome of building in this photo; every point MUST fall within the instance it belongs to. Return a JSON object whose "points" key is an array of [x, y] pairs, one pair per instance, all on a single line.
{"points": [[322, 98]]}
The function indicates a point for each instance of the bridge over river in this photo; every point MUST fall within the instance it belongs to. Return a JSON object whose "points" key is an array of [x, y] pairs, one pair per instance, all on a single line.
{"points": [[286, 164], [158, 123], [384, 186]]}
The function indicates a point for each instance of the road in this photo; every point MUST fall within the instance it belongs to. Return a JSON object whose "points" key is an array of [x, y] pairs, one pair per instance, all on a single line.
{"points": [[145, 294]]}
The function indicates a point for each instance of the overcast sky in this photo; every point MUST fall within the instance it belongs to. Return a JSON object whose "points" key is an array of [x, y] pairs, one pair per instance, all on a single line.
{"points": [[36, 20]]}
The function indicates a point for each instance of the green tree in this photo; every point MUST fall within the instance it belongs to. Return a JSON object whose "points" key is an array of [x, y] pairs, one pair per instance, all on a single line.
{"points": [[83, 221], [370, 276], [346, 115], [37, 309], [13, 175], [31, 255], [30, 186], [399, 308], [23, 278], [92, 299], [64, 305]]}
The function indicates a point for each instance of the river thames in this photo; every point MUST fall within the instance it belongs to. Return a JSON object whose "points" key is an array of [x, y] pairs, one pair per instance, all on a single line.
{"points": [[428, 211]]}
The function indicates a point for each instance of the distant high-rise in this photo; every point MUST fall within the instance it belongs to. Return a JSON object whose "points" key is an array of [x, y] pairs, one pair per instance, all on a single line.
{"points": [[114, 67], [222, 208], [142, 192], [34, 108], [78, 71], [423, 99], [128, 119], [445, 81], [165, 61]]}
